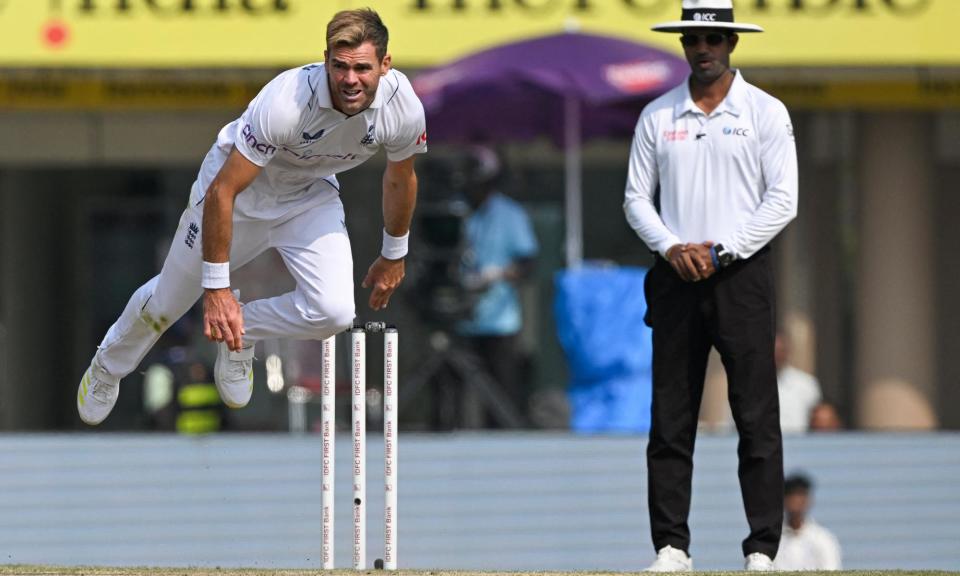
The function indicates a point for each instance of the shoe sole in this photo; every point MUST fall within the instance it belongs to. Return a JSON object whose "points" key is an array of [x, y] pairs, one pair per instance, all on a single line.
{"points": [[231, 405]]}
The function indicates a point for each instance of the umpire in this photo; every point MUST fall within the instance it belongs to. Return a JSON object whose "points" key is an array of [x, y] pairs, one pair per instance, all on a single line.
{"points": [[723, 155]]}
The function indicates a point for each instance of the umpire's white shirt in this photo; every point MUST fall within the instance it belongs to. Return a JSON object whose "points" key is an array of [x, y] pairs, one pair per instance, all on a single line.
{"points": [[292, 130], [730, 177]]}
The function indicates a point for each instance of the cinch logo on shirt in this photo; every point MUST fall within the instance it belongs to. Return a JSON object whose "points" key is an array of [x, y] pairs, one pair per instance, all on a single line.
{"points": [[256, 144], [728, 131], [338, 156], [309, 155], [675, 135]]}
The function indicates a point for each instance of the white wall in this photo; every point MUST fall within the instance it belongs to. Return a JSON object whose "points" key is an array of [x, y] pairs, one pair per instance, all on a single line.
{"points": [[493, 502]]}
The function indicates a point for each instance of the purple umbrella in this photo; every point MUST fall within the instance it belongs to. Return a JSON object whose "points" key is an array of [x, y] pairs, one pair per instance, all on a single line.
{"points": [[568, 87]]}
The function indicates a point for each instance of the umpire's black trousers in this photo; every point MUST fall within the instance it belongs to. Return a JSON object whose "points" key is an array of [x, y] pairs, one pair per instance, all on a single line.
{"points": [[734, 310]]}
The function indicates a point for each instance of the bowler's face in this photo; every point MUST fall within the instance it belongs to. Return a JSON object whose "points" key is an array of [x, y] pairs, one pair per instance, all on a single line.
{"points": [[708, 52], [354, 75]]}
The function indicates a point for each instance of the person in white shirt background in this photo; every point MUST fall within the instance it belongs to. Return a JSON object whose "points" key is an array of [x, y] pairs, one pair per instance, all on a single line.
{"points": [[269, 181], [799, 391], [805, 545], [721, 152]]}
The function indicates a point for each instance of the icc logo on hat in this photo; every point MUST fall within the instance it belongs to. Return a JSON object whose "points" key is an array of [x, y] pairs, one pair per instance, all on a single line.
{"points": [[706, 14]]}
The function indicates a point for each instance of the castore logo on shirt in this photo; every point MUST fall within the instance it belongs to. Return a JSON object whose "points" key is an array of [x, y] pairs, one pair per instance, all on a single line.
{"points": [[308, 137]]}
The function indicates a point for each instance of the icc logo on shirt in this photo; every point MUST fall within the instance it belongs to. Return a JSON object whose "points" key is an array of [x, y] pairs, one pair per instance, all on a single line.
{"points": [[728, 131]]}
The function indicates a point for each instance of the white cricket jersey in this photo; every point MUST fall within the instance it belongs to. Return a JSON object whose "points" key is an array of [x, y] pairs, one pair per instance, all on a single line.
{"points": [[292, 130], [730, 177], [812, 547]]}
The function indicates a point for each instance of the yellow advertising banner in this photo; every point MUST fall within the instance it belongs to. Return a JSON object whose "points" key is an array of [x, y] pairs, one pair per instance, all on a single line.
{"points": [[160, 90], [276, 33]]}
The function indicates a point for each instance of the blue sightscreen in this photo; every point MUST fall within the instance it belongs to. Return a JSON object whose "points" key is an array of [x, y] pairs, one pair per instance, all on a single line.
{"points": [[599, 313]]}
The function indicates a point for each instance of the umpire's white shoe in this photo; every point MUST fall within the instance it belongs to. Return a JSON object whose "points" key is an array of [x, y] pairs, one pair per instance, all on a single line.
{"points": [[758, 562], [233, 374], [97, 394], [670, 559]]}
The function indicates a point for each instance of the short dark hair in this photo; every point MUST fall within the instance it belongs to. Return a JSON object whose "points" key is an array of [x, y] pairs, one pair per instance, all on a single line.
{"points": [[351, 28], [797, 483]]}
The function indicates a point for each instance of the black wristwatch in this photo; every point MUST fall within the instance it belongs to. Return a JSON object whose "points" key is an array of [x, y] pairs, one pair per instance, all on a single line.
{"points": [[724, 256]]}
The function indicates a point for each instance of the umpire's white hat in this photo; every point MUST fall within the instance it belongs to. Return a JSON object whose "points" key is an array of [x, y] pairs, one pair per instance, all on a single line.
{"points": [[706, 14]]}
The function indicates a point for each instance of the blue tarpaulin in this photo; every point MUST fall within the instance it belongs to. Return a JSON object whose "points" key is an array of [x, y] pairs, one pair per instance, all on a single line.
{"points": [[599, 313]]}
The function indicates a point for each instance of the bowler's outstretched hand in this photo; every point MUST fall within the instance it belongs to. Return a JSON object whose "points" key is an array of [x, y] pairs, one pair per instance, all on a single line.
{"points": [[222, 318], [383, 276]]}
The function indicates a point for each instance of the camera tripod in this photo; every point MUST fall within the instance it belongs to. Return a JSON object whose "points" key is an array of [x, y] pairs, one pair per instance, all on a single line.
{"points": [[479, 393]]}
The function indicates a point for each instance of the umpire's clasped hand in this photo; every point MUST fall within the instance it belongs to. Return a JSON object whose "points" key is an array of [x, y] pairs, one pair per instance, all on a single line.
{"points": [[692, 262]]}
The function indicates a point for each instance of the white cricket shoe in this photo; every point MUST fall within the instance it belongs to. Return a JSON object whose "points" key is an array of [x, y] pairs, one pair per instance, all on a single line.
{"points": [[97, 394], [233, 374], [758, 562], [670, 559]]}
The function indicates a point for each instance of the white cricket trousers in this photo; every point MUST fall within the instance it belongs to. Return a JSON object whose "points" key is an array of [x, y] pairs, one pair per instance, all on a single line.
{"points": [[315, 248]]}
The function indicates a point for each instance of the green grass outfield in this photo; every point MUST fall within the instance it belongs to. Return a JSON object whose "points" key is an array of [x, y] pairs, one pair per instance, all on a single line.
{"points": [[93, 571]]}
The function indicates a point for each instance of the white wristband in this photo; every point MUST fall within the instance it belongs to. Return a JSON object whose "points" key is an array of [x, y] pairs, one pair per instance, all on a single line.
{"points": [[394, 247], [216, 275]]}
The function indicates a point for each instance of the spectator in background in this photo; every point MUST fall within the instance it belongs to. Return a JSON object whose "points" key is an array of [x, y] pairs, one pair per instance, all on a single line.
{"points": [[500, 255], [824, 418], [805, 545], [799, 391], [712, 180]]}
